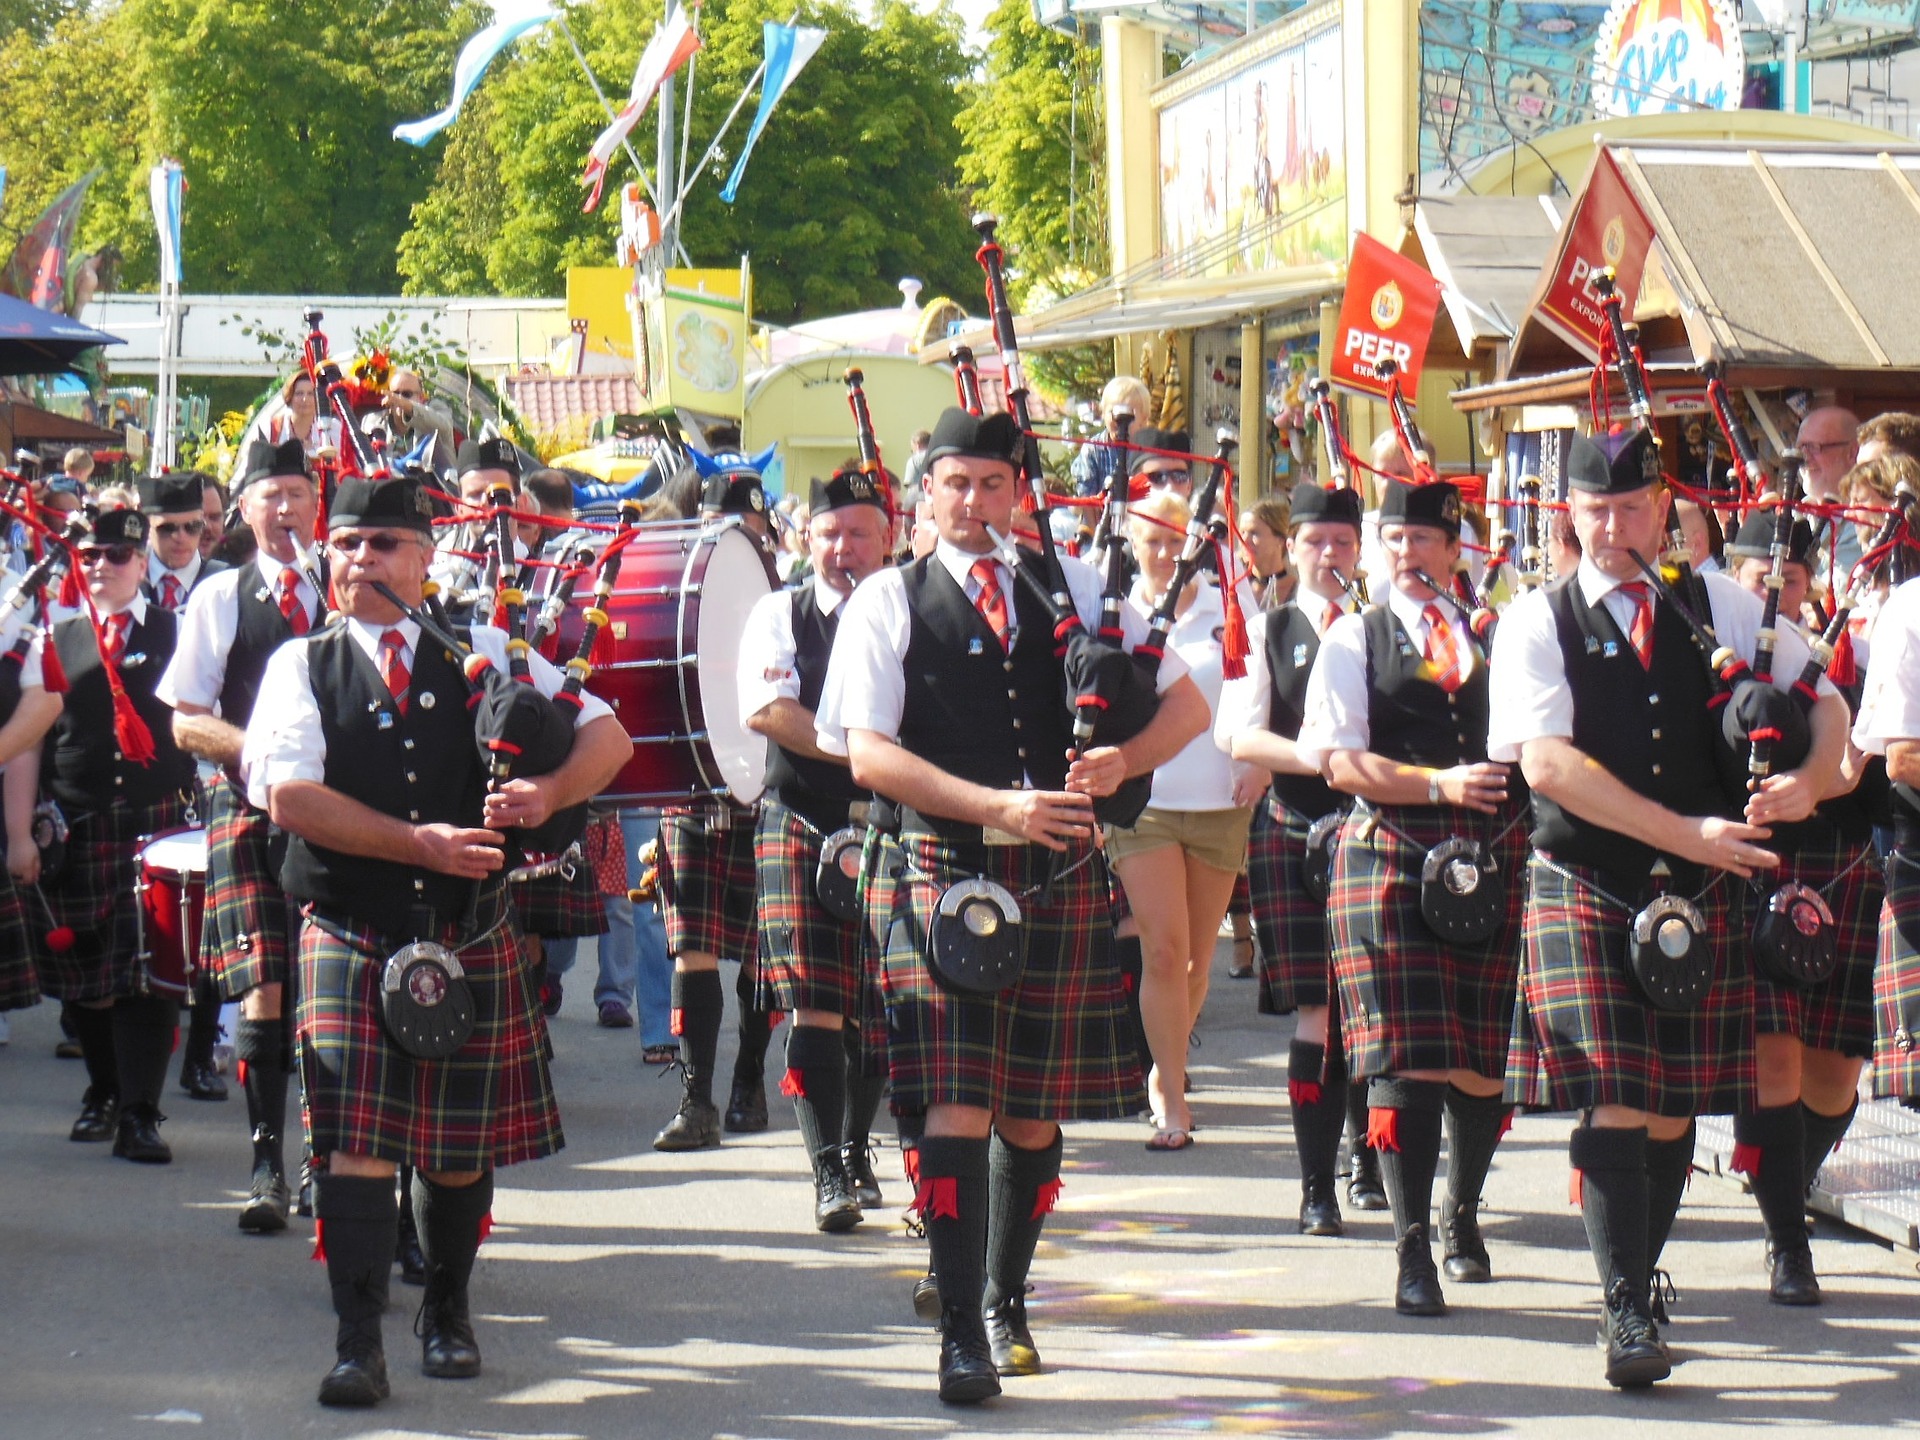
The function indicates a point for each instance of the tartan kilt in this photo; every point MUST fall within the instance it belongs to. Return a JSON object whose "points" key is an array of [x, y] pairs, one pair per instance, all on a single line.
{"points": [[1836, 1015], [1409, 1000], [1053, 1046], [1296, 964], [247, 935], [807, 960], [880, 861], [18, 986], [706, 885], [1596, 1041], [491, 1104], [1896, 983], [97, 899], [562, 906]]}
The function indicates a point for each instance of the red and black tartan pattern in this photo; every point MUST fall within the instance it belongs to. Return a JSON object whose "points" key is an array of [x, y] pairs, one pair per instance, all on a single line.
{"points": [[491, 1104], [880, 861], [1837, 1015], [706, 885], [562, 906], [1296, 960], [247, 935], [808, 959], [97, 900], [1596, 1041], [1409, 1000], [1896, 983], [1053, 1046], [18, 986]]}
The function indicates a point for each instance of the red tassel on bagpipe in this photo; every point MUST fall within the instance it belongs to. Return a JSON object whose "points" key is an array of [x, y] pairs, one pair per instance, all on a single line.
{"points": [[1235, 645], [1844, 669], [605, 649], [53, 675], [70, 592], [130, 732]]}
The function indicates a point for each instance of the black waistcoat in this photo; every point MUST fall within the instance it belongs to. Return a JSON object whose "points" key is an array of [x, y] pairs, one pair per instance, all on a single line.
{"points": [[972, 710], [421, 767], [817, 789], [259, 630], [1410, 718], [82, 766], [1292, 645], [1649, 728]]}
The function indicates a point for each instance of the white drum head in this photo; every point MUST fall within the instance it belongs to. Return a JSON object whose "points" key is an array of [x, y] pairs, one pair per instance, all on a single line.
{"points": [[734, 580], [182, 853]]}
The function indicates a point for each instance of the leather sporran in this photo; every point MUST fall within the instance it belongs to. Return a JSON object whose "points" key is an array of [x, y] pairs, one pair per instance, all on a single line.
{"points": [[836, 881], [1316, 863], [426, 1001], [1667, 952], [1463, 897], [50, 839], [976, 944], [1794, 940]]}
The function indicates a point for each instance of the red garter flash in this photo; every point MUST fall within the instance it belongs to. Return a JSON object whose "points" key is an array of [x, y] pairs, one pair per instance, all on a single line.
{"points": [[1046, 1197], [1383, 1128], [793, 1084], [1304, 1092], [1746, 1160], [938, 1198]]}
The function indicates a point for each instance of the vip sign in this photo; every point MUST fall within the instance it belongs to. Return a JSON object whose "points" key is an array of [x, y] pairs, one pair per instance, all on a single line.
{"points": [[1387, 314], [1606, 230], [1661, 56]]}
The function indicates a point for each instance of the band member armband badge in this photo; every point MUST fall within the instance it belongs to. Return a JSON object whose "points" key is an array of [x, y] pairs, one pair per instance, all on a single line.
{"points": [[1667, 952], [426, 1001], [1316, 864], [976, 944], [837, 880], [1463, 898], [1794, 940]]}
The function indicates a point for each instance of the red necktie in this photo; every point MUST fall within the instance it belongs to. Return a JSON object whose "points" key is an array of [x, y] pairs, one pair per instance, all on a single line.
{"points": [[991, 602], [1442, 654], [116, 637], [393, 667], [1640, 632], [169, 593], [290, 605], [1334, 612]]}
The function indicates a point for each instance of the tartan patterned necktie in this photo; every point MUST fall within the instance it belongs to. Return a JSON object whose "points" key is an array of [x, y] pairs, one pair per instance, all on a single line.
{"points": [[393, 667], [114, 630], [290, 606], [1443, 654], [991, 602], [169, 592], [1640, 632]]}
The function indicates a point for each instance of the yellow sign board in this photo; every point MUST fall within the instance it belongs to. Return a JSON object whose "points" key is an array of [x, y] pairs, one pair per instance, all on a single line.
{"points": [[693, 354], [598, 294]]}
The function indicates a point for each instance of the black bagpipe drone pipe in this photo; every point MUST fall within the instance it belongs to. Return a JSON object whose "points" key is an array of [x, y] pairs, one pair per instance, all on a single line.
{"points": [[966, 380], [1832, 654], [1763, 736]]}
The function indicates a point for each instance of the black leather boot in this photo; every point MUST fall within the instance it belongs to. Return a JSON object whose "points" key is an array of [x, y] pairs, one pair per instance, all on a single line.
{"points": [[1416, 1289], [835, 1210], [449, 1218], [265, 1212], [356, 1216], [1635, 1355], [139, 1139], [967, 1373]]}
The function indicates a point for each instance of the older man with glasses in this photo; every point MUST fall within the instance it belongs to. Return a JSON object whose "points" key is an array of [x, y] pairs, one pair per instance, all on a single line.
{"points": [[1829, 442], [407, 417]]}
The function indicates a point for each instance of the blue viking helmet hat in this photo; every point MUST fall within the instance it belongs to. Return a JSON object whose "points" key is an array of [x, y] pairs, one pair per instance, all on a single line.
{"points": [[730, 481]]}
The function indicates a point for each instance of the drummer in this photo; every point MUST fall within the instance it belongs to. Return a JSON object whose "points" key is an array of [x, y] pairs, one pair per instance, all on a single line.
{"points": [[707, 899], [233, 623]]}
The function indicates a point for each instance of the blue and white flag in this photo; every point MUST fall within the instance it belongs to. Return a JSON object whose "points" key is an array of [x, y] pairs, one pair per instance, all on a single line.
{"points": [[512, 19], [166, 186], [789, 48]]}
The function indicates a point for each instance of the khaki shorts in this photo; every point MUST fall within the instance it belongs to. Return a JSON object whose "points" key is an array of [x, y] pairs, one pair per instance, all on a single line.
{"points": [[1213, 837]]}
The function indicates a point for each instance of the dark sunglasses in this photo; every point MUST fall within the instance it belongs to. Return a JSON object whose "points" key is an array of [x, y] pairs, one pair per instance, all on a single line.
{"points": [[1170, 477], [379, 544], [113, 554], [408, 394], [189, 527]]}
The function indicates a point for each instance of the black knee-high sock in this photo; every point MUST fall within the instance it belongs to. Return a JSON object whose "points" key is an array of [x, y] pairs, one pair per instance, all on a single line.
{"points": [[1127, 956], [259, 1047], [143, 1032], [1317, 1097], [953, 1207], [1474, 1128], [449, 1218], [356, 1218], [817, 1081], [93, 1028], [1356, 1118], [1613, 1202], [1021, 1187], [1779, 1179], [1669, 1163], [1408, 1143], [697, 1007], [203, 1024], [756, 1029], [909, 1126], [864, 1091], [1824, 1133]]}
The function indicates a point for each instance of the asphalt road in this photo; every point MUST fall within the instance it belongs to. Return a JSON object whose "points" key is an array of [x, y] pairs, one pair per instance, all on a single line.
{"points": [[625, 1293]]}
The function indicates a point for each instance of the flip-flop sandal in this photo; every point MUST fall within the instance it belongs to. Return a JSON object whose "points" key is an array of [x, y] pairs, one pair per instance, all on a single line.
{"points": [[1170, 1137]]}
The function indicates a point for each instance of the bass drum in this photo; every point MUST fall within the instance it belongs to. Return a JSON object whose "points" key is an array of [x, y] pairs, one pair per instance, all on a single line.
{"points": [[676, 619], [173, 898]]}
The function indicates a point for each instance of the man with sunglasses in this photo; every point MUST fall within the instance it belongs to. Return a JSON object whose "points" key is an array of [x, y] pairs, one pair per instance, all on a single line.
{"points": [[174, 565], [232, 624], [125, 1017], [362, 748], [407, 417]]}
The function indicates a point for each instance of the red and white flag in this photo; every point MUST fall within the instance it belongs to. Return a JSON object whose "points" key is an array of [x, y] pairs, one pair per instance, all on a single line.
{"points": [[666, 52]]}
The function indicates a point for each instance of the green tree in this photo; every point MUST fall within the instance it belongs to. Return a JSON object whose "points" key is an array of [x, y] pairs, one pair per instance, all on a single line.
{"points": [[36, 17]]}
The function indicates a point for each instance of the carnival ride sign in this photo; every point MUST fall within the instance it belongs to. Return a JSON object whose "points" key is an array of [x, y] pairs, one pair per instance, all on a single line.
{"points": [[1387, 314], [1659, 56]]}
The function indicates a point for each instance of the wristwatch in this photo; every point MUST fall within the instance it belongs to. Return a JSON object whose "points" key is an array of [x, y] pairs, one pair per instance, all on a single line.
{"points": [[1433, 788]]}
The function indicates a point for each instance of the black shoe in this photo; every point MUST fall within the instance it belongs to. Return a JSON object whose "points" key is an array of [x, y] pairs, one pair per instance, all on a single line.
{"points": [[926, 1298], [1009, 1340], [1364, 1190], [303, 1197], [68, 1049], [834, 1208], [200, 1080], [1635, 1354], [358, 1378], [1319, 1210], [139, 1139], [1417, 1289], [858, 1164], [747, 1108], [967, 1375], [1466, 1253], [694, 1126], [99, 1117], [1790, 1277], [265, 1212], [448, 1350]]}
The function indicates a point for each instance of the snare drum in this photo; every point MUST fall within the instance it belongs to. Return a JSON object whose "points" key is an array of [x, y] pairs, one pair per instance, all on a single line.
{"points": [[677, 616], [173, 894]]}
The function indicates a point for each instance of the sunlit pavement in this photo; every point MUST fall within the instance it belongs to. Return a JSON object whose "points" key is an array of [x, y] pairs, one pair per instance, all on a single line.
{"points": [[625, 1293]]}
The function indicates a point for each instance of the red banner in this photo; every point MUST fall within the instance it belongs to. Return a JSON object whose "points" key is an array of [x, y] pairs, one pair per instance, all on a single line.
{"points": [[1605, 229], [1387, 315], [37, 270]]}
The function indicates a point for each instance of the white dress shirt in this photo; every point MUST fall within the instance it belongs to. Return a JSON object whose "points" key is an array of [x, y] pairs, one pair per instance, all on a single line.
{"points": [[1245, 703], [768, 663], [186, 575], [1890, 706], [212, 618], [1337, 700], [1199, 777]]}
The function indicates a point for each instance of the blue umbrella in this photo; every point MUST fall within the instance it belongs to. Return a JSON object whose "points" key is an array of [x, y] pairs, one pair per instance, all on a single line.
{"points": [[40, 342]]}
